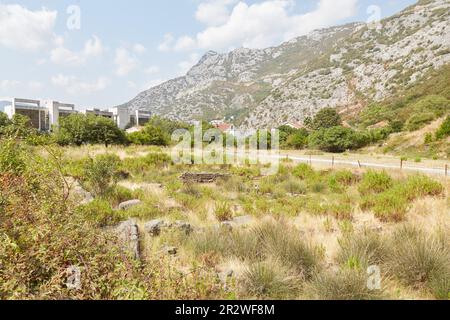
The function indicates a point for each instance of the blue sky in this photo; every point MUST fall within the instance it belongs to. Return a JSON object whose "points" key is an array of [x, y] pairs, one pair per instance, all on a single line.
{"points": [[100, 53]]}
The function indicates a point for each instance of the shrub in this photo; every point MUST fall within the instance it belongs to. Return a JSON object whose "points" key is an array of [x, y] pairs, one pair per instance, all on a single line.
{"points": [[417, 186], [390, 206], [341, 179], [418, 121], [336, 139], [444, 130], [361, 250], [223, 211], [346, 284], [420, 260], [326, 118], [293, 186], [101, 173], [286, 245], [12, 157], [150, 135], [375, 182], [303, 171], [78, 129], [119, 194], [267, 280], [100, 213]]}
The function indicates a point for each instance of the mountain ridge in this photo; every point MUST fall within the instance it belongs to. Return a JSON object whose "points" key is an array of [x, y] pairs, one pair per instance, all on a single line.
{"points": [[343, 67]]}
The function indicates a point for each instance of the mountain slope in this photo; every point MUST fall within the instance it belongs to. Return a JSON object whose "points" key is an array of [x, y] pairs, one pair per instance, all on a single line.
{"points": [[342, 67]]}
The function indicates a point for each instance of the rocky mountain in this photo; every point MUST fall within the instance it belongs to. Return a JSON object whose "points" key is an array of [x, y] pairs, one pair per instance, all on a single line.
{"points": [[344, 67]]}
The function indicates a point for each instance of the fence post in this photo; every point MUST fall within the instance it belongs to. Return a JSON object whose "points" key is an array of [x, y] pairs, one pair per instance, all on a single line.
{"points": [[446, 170], [401, 164], [310, 160], [332, 162], [359, 164]]}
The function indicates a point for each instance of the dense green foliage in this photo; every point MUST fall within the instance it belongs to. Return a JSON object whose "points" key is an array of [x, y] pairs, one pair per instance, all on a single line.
{"points": [[325, 119], [78, 129], [444, 130]]}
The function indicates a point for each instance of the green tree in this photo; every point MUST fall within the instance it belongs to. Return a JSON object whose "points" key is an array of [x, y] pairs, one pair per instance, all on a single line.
{"points": [[4, 120], [18, 127], [73, 129], [326, 118], [105, 131], [336, 139], [150, 135], [77, 129]]}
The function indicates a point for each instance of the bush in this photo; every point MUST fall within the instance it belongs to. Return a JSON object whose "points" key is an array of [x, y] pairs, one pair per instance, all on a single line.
{"points": [[100, 213], [267, 280], [375, 182], [285, 244], [390, 206], [303, 171], [361, 250], [341, 179], [444, 130], [418, 121], [78, 129], [101, 174], [293, 186], [150, 135], [420, 261], [326, 118], [418, 186], [223, 211], [336, 139], [12, 156], [346, 284]]}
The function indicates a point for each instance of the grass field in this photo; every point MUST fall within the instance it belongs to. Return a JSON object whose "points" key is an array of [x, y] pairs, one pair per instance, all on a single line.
{"points": [[304, 233]]}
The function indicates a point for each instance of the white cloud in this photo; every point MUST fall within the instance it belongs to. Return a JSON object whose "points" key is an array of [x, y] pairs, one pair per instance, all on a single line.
{"points": [[151, 70], [73, 86], [185, 43], [23, 29], [214, 12], [139, 48], [125, 62], [6, 85], [167, 43], [259, 25], [63, 56], [185, 66]]}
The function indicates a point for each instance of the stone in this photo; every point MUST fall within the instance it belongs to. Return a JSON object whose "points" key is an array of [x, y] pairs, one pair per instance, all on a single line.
{"points": [[129, 204], [128, 233], [154, 227], [183, 226]]}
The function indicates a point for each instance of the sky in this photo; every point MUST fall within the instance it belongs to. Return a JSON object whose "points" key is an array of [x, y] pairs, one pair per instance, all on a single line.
{"points": [[102, 53]]}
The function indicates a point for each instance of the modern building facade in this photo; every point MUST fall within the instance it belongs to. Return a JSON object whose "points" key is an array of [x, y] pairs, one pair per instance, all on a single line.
{"points": [[45, 115]]}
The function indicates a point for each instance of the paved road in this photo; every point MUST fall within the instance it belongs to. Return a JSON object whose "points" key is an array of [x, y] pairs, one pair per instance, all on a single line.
{"points": [[351, 163], [354, 163]]}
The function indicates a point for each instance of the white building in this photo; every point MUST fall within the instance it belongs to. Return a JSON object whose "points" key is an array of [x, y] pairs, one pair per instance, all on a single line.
{"points": [[45, 115]]}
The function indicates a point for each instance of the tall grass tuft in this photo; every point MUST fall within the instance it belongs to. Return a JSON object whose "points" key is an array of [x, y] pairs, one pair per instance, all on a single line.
{"points": [[420, 260]]}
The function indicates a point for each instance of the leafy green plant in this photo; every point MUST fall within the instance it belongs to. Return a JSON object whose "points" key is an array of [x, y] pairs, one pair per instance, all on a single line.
{"points": [[375, 182], [101, 173]]}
